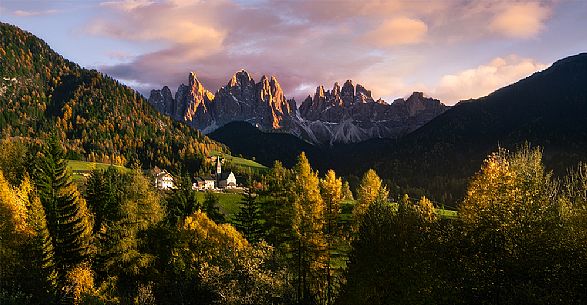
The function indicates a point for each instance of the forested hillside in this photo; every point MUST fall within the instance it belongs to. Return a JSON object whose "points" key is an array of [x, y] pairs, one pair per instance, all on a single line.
{"points": [[100, 119]]}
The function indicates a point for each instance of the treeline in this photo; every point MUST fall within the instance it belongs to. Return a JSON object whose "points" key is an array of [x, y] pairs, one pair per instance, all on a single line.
{"points": [[116, 240], [101, 120], [298, 238], [519, 239]]}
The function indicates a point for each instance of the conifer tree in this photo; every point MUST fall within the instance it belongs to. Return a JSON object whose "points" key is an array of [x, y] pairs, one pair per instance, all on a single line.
{"points": [[210, 206], [103, 195], [308, 225], [26, 252], [247, 220], [124, 252], [42, 252], [13, 232], [277, 211], [183, 201], [369, 190], [331, 190], [68, 219]]}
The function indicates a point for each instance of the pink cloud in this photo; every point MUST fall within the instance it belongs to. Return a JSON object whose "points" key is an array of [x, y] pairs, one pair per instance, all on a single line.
{"points": [[301, 42], [397, 31], [486, 78], [520, 20]]}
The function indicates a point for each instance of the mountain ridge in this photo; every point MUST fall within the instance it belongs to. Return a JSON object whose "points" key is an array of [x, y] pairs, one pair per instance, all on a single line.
{"points": [[347, 114]]}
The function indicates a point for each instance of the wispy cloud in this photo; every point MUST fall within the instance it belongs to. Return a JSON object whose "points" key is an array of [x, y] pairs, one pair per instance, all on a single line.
{"points": [[126, 5], [306, 42], [30, 13]]}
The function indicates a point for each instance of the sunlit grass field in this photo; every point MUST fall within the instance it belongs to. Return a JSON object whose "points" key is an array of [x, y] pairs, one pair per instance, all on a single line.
{"points": [[238, 161]]}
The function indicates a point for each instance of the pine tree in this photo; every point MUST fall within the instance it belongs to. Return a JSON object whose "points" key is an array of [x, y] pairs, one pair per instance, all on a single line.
{"points": [[103, 195], [247, 220], [183, 201], [331, 190], [210, 206], [277, 210], [41, 254], [26, 253], [124, 252], [14, 231], [68, 219], [308, 225]]}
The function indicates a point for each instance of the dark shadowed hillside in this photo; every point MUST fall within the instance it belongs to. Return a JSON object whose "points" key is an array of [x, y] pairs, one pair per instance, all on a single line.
{"points": [[547, 109], [267, 147]]}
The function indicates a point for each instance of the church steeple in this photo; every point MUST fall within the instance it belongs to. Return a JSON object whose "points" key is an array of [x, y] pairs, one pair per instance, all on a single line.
{"points": [[218, 166]]}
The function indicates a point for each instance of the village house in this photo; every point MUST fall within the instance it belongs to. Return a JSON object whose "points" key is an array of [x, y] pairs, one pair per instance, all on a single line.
{"points": [[204, 183], [163, 179]]}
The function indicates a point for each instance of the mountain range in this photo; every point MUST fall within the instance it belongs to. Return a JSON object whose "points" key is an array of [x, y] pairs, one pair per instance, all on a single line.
{"points": [[346, 114]]}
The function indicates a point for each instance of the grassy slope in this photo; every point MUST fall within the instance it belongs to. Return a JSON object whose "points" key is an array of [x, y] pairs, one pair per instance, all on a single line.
{"points": [[240, 161], [79, 168], [228, 203], [76, 165]]}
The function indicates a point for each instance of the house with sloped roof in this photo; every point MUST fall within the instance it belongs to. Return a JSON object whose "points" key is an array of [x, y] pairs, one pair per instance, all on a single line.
{"points": [[204, 183]]}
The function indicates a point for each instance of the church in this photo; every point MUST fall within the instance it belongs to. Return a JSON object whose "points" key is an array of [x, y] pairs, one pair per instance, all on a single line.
{"points": [[219, 180]]}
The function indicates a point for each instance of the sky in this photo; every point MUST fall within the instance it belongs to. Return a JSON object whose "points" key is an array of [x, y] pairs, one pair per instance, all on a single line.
{"points": [[449, 49]]}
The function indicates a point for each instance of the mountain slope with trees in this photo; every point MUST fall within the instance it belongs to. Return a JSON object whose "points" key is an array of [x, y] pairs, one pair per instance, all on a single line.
{"points": [[547, 109], [102, 120]]}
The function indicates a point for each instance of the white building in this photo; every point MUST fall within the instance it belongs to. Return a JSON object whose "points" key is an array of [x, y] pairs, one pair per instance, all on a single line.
{"points": [[219, 180], [163, 179], [203, 183], [227, 181]]}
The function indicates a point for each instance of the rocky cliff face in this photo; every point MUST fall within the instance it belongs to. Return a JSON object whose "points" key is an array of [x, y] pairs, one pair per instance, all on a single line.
{"points": [[352, 115], [242, 99], [341, 115]]}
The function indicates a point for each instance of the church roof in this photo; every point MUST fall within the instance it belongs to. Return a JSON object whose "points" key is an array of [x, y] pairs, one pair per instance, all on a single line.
{"points": [[224, 176]]}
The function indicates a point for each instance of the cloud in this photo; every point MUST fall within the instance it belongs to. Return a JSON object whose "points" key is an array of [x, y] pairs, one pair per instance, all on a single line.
{"points": [[303, 42], [26, 13], [126, 5], [398, 31], [520, 20], [484, 79], [215, 39]]}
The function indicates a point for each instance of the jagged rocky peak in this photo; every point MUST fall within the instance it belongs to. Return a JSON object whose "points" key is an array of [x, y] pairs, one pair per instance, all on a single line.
{"points": [[363, 95], [241, 78], [347, 93], [197, 88], [320, 93], [162, 100], [336, 89], [344, 114]]}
